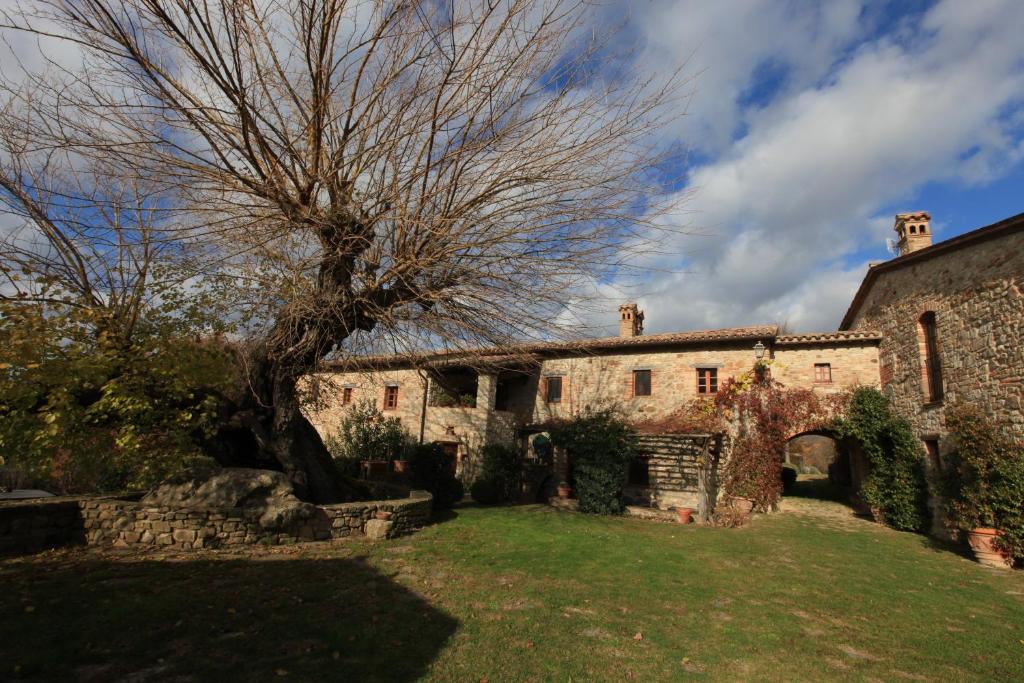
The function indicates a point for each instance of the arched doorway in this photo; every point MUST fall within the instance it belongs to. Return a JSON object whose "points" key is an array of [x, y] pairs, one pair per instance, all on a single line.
{"points": [[821, 467]]}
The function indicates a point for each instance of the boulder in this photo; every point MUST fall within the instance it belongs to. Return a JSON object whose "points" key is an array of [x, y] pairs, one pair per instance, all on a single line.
{"points": [[265, 494], [377, 529]]}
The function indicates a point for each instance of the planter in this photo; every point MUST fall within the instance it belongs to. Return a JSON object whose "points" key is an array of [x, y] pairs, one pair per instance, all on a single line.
{"points": [[981, 541], [383, 514], [401, 466], [375, 469], [742, 505], [685, 514], [565, 492]]}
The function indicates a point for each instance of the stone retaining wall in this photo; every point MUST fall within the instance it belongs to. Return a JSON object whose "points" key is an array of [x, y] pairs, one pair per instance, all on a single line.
{"points": [[35, 525]]}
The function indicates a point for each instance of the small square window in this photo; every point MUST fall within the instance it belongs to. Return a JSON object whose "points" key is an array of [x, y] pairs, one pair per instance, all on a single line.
{"points": [[823, 373], [346, 396], [641, 382], [390, 398], [707, 380], [553, 389]]}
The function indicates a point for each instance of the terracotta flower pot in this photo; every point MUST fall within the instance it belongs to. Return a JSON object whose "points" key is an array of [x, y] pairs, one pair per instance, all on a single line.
{"points": [[982, 543], [401, 466], [742, 505], [383, 514], [565, 491], [685, 514]]}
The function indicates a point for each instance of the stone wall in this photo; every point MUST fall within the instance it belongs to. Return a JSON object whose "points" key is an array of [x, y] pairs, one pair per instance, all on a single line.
{"points": [[674, 463], [977, 295], [35, 525]]}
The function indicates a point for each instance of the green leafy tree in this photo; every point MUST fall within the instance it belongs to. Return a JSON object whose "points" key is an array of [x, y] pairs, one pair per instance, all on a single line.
{"points": [[365, 433]]}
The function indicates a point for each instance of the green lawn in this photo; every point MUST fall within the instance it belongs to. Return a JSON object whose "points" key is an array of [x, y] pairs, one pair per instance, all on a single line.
{"points": [[525, 593]]}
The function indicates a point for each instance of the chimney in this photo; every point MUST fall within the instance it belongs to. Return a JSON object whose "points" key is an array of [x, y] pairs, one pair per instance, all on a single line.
{"points": [[914, 231], [631, 321]]}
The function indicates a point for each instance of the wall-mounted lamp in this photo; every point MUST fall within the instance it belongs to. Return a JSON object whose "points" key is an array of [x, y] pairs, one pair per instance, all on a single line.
{"points": [[759, 350]]}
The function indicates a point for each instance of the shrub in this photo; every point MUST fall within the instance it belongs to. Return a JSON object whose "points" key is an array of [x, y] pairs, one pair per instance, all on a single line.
{"points": [[601, 444], [501, 466], [895, 483], [365, 433], [486, 492], [432, 470], [82, 411], [985, 478]]}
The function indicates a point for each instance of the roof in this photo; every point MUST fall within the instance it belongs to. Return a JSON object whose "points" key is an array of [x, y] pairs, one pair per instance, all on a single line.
{"points": [[1004, 227], [827, 337], [525, 353]]}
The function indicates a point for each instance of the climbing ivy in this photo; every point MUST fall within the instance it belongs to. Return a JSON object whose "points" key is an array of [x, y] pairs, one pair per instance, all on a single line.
{"points": [[895, 484]]}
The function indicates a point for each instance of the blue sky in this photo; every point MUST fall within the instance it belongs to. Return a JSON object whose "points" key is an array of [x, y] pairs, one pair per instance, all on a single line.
{"points": [[809, 126]]}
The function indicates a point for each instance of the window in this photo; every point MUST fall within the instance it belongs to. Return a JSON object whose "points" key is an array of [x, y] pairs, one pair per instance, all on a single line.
{"points": [[913, 229], [707, 380], [346, 396], [931, 367], [553, 389], [823, 373], [641, 382], [390, 398]]}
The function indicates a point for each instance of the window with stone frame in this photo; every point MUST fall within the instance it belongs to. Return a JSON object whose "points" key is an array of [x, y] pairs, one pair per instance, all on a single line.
{"points": [[931, 365], [346, 395], [641, 382], [391, 397], [707, 380], [553, 389], [823, 373]]}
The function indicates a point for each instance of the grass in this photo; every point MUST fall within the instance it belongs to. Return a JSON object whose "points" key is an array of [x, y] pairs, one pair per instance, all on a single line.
{"points": [[525, 593]]}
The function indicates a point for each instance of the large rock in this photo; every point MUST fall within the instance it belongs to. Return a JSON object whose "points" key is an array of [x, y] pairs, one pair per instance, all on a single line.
{"points": [[265, 494]]}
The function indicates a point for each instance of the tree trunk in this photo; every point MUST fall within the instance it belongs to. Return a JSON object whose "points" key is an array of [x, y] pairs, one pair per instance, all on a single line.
{"points": [[267, 430]]}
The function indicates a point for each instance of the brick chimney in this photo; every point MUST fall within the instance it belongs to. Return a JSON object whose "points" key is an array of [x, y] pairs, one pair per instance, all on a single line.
{"points": [[914, 231], [631, 321]]}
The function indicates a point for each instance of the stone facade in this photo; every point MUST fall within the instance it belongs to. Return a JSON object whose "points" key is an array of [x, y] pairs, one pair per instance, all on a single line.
{"points": [[970, 291], [974, 285], [597, 378], [28, 526]]}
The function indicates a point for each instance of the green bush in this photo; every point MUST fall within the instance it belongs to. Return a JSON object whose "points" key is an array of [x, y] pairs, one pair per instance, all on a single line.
{"points": [[895, 483], [83, 411], [432, 470], [601, 445], [486, 492], [985, 478], [365, 433], [500, 465]]}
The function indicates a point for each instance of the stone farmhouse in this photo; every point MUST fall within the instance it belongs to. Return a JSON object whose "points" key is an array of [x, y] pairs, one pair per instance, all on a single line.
{"points": [[937, 323]]}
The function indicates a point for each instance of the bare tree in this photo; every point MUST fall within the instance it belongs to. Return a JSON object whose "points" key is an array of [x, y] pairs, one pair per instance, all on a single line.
{"points": [[392, 174]]}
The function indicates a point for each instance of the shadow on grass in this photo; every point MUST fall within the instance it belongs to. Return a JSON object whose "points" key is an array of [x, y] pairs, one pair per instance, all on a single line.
{"points": [[271, 618], [818, 488]]}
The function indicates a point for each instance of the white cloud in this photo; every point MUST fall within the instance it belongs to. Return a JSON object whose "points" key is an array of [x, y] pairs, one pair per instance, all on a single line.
{"points": [[802, 190]]}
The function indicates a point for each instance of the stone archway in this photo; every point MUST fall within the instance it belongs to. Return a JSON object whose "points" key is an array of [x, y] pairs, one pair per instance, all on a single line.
{"points": [[827, 467]]}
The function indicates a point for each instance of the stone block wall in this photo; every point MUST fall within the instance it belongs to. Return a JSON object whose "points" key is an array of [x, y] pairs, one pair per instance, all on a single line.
{"points": [[674, 464], [36, 525], [28, 526], [977, 295]]}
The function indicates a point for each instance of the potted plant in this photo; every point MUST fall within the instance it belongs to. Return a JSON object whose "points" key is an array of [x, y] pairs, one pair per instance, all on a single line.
{"points": [[685, 514], [985, 487], [564, 490]]}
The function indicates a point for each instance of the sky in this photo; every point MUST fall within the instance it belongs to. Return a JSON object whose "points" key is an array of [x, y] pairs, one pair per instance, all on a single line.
{"points": [[809, 127]]}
